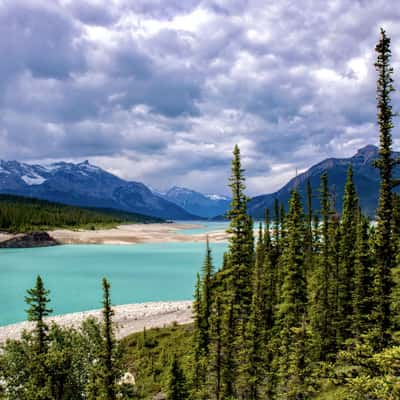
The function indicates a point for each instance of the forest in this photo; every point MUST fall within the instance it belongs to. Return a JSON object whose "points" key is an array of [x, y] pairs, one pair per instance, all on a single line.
{"points": [[24, 214], [307, 309]]}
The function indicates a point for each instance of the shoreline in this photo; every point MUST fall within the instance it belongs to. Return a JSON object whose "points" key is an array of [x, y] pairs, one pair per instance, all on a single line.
{"points": [[128, 318], [132, 234]]}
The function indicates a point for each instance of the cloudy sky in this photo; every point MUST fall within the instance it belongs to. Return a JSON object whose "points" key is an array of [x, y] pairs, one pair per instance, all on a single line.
{"points": [[159, 91]]}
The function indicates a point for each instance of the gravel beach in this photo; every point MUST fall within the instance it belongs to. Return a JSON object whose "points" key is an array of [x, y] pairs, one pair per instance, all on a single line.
{"points": [[132, 233], [128, 318]]}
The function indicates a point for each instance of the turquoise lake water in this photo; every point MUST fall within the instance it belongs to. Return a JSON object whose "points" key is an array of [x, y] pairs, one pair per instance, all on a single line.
{"points": [[204, 227], [73, 273]]}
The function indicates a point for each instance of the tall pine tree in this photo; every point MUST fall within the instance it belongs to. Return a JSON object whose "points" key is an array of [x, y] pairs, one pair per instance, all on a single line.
{"points": [[348, 236], [384, 243], [37, 300], [108, 369], [293, 305]]}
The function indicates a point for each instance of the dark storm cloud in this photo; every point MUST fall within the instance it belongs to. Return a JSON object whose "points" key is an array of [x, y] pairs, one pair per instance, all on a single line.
{"points": [[93, 13], [38, 38], [171, 86]]}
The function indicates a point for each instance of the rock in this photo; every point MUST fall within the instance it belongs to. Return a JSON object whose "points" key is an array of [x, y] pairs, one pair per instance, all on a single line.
{"points": [[159, 396], [33, 239]]}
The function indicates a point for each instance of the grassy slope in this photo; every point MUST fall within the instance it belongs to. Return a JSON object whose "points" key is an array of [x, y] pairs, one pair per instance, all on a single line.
{"points": [[23, 214], [147, 355]]}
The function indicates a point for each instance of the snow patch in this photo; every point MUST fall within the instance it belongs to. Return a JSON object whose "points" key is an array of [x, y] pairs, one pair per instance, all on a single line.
{"points": [[4, 171], [216, 197], [33, 179]]}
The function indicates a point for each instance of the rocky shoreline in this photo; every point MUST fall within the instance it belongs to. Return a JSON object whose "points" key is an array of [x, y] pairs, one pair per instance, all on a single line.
{"points": [[128, 318], [123, 234], [33, 239]]}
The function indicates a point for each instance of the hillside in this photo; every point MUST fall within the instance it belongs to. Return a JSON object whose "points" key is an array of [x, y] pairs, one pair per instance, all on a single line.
{"points": [[22, 214], [86, 185], [366, 179]]}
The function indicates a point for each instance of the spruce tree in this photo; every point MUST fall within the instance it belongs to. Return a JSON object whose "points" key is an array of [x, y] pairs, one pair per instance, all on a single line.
{"points": [[229, 356], [361, 298], [202, 315], [38, 381], [321, 308], [215, 358], [177, 389], [241, 242], [198, 337], [294, 289], [384, 243], [348, 237], [253, 357], [276, 230], [267, 233], [282, 220], [293, 294], [37, 300], [309, 219], [206, 296], [108, 367], [260, 249]]}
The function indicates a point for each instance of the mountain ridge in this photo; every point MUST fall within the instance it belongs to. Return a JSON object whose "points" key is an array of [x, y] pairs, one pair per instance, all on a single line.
{"points": [[366, 179], [86, 185], [205, 205]]}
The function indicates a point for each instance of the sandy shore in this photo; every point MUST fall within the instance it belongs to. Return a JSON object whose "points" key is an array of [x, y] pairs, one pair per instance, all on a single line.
{"points": [[136, 233], [128, 318]]}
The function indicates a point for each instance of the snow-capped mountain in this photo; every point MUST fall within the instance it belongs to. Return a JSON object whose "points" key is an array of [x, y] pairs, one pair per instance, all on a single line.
{"points": [[86, 185], [205, 205]]}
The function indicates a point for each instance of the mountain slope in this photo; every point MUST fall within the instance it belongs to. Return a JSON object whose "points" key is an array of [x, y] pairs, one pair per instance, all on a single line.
{"points": [[25, 214], [366, 179], [206, 206], [86, 185]]}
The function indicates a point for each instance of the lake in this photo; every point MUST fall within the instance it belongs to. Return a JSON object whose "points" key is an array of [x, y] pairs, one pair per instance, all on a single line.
{"points": [[73, 273]]}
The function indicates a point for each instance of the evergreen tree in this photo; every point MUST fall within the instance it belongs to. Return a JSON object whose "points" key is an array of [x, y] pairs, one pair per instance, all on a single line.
{"points": [[38, 380], [228, 338], [347, 242], [282, 219], [384, 244], [214, 381], [276, 230], [321, 308], [252, 372], [202, 315], [294, 294], [206, 296], [37, 300], [241, 242], [108, 367], [335, 289], [361, 299], [309, 219], [199, 346], [267, 233], [260, 250], [299, 369], [177, 389]]}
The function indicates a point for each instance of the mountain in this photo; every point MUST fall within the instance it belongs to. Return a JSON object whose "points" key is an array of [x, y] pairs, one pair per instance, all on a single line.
{"points": [[366, 179], [84, 184], [207, 206]]}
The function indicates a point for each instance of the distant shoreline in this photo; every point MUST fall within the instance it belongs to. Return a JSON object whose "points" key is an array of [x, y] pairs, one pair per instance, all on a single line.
{"points": [[128, 318], [130, 234]]}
